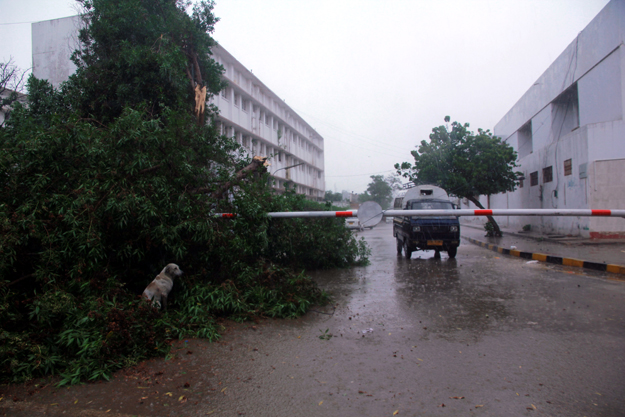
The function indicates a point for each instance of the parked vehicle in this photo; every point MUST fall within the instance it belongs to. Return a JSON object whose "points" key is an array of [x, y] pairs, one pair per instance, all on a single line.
{"points": [[426, 233], [353, 223]]}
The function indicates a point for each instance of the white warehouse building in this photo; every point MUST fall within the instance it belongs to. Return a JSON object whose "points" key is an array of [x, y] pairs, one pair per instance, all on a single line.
{"points": [[569, 132], [249, 111]]}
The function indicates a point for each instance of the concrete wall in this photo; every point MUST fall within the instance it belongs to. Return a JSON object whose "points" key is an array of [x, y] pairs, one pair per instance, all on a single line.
{"points": [[604, 34], [575, 110], [54, 41], [606, 190], [601, 101]]}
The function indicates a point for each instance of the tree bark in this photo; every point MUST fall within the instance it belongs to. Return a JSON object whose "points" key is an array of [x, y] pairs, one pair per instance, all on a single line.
{"points": [[199, 90], [491, 220]]}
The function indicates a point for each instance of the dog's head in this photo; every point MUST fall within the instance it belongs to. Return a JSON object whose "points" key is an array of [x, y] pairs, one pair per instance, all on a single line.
{"points": [[172, 271]]}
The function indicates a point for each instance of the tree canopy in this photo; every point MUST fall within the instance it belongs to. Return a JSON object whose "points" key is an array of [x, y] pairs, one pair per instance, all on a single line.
{"points": [[110, 178], [463, 163], [149, 53], [331, 196], [378, 190]]}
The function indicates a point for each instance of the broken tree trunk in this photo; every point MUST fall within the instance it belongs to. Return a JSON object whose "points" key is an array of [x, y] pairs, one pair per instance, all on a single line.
{"points": [[197, 85], [259, 165]]}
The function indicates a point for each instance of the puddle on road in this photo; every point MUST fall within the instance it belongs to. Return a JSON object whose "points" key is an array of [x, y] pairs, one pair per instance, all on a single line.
{"points": [[391, 325]]}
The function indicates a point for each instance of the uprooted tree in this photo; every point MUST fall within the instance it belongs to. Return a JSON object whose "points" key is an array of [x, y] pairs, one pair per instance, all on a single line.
{"points": [[117, 173], [463, 163]]}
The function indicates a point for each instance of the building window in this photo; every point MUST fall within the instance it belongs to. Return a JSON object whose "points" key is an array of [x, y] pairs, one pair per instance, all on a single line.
{"points": [[244, 105], [534, 178], [521, 180], [237, 98], [568, 167], [223, 93], [547, 174], [525, 140], [565, 112]]}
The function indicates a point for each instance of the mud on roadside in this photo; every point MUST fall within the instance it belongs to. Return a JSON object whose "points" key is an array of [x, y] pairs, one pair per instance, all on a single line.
{"points": [[159, 386]]}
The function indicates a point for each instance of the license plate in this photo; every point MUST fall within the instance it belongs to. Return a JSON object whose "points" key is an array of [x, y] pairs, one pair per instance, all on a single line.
{"points": [[435, 243]]}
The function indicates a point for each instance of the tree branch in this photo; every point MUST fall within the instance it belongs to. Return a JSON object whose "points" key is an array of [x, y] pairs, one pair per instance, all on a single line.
{"points": [[18, 280], [258, 165]]}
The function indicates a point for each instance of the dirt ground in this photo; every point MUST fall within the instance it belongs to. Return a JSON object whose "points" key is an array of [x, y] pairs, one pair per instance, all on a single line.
{"points": [[161, 386]]}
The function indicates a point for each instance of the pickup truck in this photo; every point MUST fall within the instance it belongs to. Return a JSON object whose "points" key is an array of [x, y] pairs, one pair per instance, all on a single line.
{"points": [[426, 233]]}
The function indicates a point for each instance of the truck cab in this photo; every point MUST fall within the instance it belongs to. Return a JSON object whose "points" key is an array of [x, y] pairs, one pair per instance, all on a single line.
{"points": [[414, 233]]}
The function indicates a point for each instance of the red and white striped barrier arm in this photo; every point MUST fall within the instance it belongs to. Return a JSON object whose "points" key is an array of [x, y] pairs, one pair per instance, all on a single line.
{"points": [[438, 213], [508, 212], [292, 214]]}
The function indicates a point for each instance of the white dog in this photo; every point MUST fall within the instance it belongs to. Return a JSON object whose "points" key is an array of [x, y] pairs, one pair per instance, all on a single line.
{"points": [[158, 289]]}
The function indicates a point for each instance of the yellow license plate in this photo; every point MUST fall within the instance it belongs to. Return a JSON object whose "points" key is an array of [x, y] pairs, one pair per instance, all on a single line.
{"points": [[435, 243]]}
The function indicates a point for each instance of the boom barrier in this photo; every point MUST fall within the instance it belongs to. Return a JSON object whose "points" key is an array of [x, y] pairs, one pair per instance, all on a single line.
{"points": [[371, 213], [291, 214], [508, 212]]}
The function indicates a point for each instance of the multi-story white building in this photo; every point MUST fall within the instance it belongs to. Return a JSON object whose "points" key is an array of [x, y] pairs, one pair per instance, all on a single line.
{"points": [[249, 111], [569, 132], [265, 125]]}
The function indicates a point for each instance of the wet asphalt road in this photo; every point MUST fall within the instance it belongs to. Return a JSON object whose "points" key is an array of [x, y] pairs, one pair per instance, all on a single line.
{"points": [[482, 334]]}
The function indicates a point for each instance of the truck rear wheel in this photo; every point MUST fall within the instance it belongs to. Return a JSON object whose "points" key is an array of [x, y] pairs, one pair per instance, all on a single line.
{"points": [[399, 246], [407, 250], [452, 252]]}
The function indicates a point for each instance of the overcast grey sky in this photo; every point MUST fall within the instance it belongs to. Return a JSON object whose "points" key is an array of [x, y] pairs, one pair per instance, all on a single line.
{"points": [[373, 77]]}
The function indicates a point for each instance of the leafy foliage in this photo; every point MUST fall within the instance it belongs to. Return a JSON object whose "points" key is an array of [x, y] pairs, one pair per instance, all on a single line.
{"points": [[319, 243], [378, 190], [463, 163], [333, 197], [153, 54], [99, 192]]}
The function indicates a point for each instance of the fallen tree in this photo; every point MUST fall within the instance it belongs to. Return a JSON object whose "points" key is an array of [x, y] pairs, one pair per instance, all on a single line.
{"points": [[108, 179]]}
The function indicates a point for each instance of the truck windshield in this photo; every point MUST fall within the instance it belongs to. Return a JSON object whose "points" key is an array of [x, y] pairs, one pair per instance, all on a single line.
{"points": [[431, 205]]}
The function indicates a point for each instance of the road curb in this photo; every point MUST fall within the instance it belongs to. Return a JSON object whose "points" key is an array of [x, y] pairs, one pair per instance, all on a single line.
{"points": [[558, 260]]}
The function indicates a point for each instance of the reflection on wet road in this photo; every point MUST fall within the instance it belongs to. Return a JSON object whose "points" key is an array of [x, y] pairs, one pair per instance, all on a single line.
{"points": [[480, 334]]}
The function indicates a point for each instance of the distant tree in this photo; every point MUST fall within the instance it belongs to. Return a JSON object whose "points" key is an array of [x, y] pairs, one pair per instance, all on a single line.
{"points": [[330, 196], [11, 83], [394, 180], [464, 164], [364, 197], [378, 190]]}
